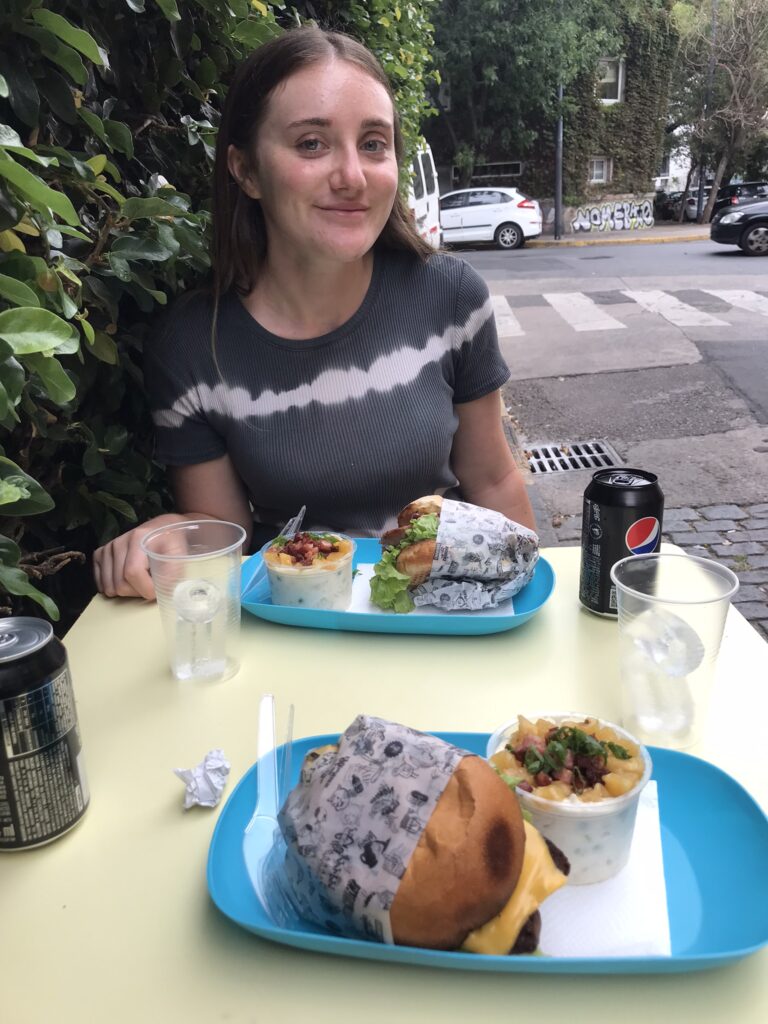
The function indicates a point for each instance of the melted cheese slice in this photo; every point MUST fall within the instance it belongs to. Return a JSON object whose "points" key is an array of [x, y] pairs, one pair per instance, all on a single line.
{"points": [[539, 878]]}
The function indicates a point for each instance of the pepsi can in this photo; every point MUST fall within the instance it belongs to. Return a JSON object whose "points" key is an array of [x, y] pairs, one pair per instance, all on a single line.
{"points": [[623, 510]]}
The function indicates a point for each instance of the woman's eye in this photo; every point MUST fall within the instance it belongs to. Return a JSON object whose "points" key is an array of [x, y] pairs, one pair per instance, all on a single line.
{"points": [[374, 145], [310, 145]]}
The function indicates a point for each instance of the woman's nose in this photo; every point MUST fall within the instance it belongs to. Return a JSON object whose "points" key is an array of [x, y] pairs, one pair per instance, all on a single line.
{"points": [[347, 171]]}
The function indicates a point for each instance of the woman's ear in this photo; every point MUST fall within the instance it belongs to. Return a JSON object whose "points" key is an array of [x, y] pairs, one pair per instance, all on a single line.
{"points": [[242, 172]]}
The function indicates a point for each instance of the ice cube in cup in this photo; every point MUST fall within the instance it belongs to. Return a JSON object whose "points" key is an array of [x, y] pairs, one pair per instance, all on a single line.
{"points": [[312, 578], [595, 835]]}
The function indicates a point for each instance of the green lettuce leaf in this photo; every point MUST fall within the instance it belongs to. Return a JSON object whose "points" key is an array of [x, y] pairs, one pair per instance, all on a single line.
{"points": [[389, 586]]}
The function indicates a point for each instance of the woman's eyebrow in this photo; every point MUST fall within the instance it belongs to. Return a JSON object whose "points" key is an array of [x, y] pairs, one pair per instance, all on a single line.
{"points": [[324, 122]]}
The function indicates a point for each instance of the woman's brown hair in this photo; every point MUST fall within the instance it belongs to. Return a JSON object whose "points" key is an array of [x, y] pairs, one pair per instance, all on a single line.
{"points": [[239, 231]]}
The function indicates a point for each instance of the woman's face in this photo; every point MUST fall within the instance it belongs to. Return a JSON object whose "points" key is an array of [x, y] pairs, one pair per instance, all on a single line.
{"points": [[325, 168]]}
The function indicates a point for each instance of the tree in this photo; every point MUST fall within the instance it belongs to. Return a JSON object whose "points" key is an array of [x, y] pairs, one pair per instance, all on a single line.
{"points": [[502, 60], [724, 61]]}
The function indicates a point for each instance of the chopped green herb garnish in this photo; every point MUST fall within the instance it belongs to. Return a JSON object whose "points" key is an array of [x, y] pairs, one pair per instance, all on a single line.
{"points": [[618, 751]]}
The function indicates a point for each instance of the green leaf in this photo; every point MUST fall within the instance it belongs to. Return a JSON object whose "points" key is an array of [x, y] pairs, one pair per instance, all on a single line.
{"points": [[106, 188], [59, 387], [120, 267], [135, 209], [119, 137], [95, 123], [35, 191], [56, 51], [3, 87], [13, 379], [104, 348], [73, 232], [76, 37], [15, 581], [136, 5], [17, 292], [136, 247], [58, 93], [29, 330], [23, 95], [9, 137], [93, 461], [10, 552], [120, 506], [169, 9], [20, 494], [115, 439]]}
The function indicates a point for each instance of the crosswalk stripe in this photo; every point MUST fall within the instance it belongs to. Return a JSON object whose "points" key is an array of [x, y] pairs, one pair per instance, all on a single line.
{"points": [[507, 324], [581, 312], [676, 312], [750, 301]]}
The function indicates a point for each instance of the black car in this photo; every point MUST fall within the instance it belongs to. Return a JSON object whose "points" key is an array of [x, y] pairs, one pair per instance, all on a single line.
{"points": [[745, 226], [736, 195]]}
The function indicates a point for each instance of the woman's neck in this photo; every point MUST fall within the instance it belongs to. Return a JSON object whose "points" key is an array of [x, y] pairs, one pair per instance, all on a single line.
{"points": [[302, 302]]}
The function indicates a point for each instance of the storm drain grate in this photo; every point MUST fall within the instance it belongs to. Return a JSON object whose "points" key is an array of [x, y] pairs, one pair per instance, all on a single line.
{"points": [[546, 457]]}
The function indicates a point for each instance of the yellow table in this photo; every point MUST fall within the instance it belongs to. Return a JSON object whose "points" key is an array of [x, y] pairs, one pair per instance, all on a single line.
{"points": [[113, 922]]}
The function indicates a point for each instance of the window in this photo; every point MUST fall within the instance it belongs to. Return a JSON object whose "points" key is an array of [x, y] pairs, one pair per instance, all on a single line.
{"points": [[453, 202], [664, 169], [610, 86], [492, 174], [429, 177], [600, 170], [417, 181], [484, 197]]}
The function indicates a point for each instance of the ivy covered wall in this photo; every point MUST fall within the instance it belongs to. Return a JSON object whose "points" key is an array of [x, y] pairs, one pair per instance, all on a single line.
{"points": [[630, 132]]}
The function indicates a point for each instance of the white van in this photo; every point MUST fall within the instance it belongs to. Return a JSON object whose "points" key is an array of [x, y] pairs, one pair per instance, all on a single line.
{"points": [[424, 197]]}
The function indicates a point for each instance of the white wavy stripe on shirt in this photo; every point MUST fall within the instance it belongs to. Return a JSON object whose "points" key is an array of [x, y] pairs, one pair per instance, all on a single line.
{"points": [[331, 387]]}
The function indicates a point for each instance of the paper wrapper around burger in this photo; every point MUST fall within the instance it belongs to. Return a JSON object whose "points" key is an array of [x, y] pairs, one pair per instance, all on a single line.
{"points": [[481, 559], [353, 821]]}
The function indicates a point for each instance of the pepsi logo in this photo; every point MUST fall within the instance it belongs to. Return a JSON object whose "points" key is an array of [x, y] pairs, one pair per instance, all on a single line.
{"points": [[643, 536]]}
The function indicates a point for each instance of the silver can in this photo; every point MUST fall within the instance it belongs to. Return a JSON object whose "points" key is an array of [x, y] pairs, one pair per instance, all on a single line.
{"points": [[43, 787]]}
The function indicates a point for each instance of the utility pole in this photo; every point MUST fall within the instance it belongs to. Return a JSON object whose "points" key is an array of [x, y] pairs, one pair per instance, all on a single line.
{"points": [[707, 101], [559, 165]]}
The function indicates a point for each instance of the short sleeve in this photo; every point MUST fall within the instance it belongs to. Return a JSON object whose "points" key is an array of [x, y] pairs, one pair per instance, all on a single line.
{"points": [[478, 364], [176, 361]]}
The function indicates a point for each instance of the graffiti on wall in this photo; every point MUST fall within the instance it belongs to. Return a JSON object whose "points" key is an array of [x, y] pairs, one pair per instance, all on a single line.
{"points": [[619, 215]]}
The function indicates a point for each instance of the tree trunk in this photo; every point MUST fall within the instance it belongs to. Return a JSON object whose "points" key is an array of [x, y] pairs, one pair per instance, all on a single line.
{"points": [[706, 215], [681, 212]]}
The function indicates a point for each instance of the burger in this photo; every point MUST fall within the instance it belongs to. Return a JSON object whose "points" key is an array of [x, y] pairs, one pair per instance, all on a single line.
{"points": [[476, 877], [408, 554]]}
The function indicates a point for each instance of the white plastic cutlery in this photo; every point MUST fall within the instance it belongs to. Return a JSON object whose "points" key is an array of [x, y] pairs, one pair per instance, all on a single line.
{"points": [[259, 835]]}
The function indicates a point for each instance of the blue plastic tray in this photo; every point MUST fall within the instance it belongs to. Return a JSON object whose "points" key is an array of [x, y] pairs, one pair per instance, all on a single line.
{"points": [[715, 845], [256, 600]]}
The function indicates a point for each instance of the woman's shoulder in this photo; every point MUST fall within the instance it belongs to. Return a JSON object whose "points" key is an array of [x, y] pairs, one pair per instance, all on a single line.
{"points": [[442, 270]]}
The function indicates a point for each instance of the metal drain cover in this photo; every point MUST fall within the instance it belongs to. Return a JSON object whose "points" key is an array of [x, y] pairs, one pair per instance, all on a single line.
{"points": [[562, 456]]}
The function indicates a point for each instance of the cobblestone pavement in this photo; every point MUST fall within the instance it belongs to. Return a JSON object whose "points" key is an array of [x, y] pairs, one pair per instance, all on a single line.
{"points": [[733, 535]]}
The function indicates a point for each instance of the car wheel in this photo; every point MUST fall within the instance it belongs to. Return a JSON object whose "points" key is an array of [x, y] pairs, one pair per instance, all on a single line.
{"points": [[509, 236], [754, 241]]}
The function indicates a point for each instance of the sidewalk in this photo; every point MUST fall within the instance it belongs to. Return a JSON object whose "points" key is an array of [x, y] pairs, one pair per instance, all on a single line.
{"points": [[667, 231], [733, 535]]}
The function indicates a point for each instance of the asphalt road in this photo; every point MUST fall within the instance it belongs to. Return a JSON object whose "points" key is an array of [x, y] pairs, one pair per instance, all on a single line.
{"points": [[661, 350]]}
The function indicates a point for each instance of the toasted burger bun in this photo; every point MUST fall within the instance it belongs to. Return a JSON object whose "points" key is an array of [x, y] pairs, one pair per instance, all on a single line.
{"points": [[431, 503], [466, 864], [416, 561]]}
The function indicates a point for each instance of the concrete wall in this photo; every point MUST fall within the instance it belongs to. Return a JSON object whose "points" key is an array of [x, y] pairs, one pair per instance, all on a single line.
{"points": [[608, 213]]}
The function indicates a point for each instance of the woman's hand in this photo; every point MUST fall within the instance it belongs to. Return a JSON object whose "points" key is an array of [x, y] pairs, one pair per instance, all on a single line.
{"points": [[121, 568]]}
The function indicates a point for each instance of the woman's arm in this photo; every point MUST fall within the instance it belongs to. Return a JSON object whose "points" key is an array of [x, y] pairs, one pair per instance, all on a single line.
{"points": [[483, 463], [208, 490]]}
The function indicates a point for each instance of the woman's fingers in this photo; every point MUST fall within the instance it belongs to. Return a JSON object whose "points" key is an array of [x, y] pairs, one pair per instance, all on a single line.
{"points": [[135, 569], [121, 569]]}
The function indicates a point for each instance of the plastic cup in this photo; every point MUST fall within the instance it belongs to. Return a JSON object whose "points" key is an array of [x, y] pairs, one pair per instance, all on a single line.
{"points": [[326, 584], [195, 567], [596, 837], [671, 614]]}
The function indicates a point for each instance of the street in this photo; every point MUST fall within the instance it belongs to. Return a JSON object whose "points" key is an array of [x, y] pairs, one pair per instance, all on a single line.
{"points": [[660, 351]]}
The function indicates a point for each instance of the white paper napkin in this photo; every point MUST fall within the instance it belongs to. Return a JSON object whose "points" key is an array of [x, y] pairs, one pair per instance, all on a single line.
{"points": [[624, 916]]}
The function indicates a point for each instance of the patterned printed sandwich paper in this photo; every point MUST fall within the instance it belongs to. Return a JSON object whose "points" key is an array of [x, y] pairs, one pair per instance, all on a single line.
{"points": [[354, 820], [481, 559]]}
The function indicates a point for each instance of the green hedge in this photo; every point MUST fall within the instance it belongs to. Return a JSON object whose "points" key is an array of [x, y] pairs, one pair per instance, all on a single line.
{"points": [[108, 114]]}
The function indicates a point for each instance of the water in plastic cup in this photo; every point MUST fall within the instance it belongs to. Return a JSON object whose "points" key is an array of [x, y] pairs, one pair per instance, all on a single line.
{"points": [[672, 611], [195, 567]]}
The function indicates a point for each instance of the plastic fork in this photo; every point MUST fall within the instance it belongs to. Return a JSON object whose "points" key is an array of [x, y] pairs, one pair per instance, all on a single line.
{"points": [[259, 835], [290, 530]]}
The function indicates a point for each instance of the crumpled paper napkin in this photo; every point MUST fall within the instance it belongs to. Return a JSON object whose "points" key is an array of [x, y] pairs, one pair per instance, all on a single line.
{"points": [[623, 916], [206, 781]]}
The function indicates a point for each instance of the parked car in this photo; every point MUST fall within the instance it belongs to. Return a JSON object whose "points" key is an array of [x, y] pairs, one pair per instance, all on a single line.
{"points": [[505, 216], [692, 202], [424, 197], [746, 227], [736, 195], [665, 205]]}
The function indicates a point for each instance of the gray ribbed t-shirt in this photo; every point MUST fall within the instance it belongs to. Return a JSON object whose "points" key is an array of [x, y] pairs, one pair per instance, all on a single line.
{"points": [[354, 424]]}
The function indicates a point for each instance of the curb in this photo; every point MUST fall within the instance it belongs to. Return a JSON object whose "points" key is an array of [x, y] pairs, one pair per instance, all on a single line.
{"points": [[545, 243]]}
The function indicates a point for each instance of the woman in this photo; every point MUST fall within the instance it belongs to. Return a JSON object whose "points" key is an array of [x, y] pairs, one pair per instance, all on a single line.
{"points": [[349, 368]]}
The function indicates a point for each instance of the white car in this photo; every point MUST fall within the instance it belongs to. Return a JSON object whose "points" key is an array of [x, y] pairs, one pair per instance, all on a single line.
{"points": [[501, 215]]}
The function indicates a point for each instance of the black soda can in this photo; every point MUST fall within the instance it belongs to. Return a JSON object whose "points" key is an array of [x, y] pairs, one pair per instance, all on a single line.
{"points": [[623, 511], [43, 789]]}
